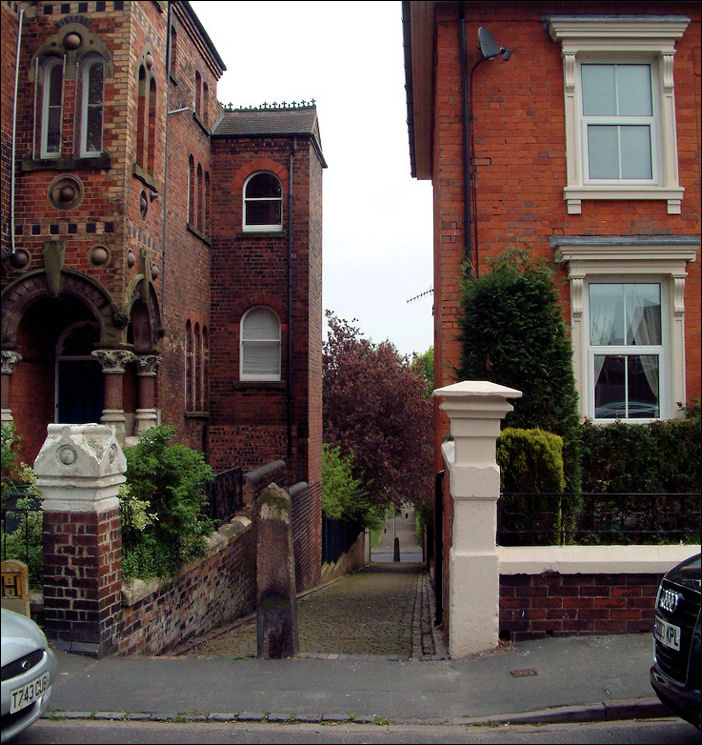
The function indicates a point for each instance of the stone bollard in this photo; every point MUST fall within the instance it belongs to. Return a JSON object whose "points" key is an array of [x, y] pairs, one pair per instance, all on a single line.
{"points": [[276, 614], [79, 470]]}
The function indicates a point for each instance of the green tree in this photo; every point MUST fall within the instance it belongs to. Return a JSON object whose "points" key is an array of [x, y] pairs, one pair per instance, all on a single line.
{"points": [[513, 333], [375, 408], [344, 497], [423, 364]]}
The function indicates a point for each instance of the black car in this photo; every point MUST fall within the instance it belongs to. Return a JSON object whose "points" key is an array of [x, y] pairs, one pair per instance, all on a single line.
{"points": [[677, 665]]}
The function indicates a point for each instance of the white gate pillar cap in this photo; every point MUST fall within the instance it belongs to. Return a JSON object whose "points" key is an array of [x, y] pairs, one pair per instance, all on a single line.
{"points": [[80, 466], [466, 394]]}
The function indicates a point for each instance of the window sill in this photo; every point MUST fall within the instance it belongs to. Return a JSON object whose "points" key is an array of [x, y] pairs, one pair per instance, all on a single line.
{"points": [[197, 415], [575, 194], [146, 177], [262, 233], [198, 234], [276, 385], [30, 164], [202, 124]]}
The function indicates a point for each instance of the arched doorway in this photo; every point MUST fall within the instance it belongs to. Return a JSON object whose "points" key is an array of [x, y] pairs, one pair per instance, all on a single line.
{"points": [[79, 397]]}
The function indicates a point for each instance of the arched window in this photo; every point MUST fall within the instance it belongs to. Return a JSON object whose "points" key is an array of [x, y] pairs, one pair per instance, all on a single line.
{"points": [[52, 107], [141, 119], [197, 368], [263, 203], [92, 82], [188, 367], [205, 96], [259, 357], [198, 196], [198, 94], [191, 190], [206, 201], [151, 147], [205, 368], [174, 51]]}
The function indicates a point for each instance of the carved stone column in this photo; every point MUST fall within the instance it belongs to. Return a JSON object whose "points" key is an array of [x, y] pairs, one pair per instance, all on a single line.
{"points": [[112, 362], [9, 359], [146, 415]]}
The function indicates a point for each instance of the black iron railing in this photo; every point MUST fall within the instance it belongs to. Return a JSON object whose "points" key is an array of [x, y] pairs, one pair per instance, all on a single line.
{"points": [[594, 518], [338, 536], [226, 495]]}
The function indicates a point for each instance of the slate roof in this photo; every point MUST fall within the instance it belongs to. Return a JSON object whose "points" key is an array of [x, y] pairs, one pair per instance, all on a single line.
{"points": [[271, 121]]}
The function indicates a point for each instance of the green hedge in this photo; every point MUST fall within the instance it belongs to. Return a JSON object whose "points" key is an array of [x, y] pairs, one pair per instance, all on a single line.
{"points": [[532, 484], [657, 457]]}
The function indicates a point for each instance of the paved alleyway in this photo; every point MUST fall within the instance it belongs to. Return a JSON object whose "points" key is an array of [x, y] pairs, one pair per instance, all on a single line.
{"points": [[386, 609]]}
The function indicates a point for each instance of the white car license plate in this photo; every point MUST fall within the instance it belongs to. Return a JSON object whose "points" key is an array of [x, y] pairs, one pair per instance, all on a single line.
{"points": [[25, 695], [667, 634]]}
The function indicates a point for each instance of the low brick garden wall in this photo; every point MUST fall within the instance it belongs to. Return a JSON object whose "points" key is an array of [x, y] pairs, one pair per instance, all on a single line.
{"points": [[553, 604], [221, 587]]}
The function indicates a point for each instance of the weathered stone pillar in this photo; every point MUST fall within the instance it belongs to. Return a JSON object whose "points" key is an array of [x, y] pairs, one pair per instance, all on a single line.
{"points": [[9, 359], [112, 362], [276, 615], [475, 409], [146, 415], [79, 470]]}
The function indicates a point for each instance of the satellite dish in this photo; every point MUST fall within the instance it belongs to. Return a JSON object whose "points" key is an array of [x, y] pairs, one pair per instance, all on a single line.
{"points": [[489, 47]]}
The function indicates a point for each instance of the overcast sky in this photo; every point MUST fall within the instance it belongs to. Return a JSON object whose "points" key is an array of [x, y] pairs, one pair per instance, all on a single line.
{"points": [[348, 57]]}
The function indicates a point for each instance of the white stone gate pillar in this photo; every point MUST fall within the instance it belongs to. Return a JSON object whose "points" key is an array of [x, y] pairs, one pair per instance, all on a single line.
{"points": [[475, 409]]}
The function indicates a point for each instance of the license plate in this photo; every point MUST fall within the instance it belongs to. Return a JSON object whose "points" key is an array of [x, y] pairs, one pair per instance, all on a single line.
{"points": [[667, 634], [25, 695]]}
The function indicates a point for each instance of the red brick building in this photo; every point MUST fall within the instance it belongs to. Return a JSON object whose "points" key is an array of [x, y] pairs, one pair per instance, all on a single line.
{"points": [[161, 254], [575, 133]]}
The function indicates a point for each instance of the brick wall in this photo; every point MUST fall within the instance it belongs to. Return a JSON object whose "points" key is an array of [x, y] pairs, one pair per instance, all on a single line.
{"points": [[82, 578], [210, 592], [553, 604], [306, 504]]}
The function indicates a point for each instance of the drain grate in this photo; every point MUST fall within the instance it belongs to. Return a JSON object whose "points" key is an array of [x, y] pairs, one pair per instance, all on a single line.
{"points": [[529, 672]]}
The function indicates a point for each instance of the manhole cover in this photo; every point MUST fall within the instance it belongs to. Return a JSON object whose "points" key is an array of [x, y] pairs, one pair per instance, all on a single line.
{"points": [[523, 673]]}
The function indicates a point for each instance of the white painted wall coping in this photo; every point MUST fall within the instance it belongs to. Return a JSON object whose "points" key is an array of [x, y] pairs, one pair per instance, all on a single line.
{"points": [[592, 559]]}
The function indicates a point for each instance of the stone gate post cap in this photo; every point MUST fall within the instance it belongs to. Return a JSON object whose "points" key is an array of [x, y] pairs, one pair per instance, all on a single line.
{"points": [[476, 389], [84, 450]]}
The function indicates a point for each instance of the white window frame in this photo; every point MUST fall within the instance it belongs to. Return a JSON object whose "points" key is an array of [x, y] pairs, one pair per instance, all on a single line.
{"points": [[621, 39], [640, 259], [246, 344], [659, 350], [47, 69], [268, 227], [88, 64]]}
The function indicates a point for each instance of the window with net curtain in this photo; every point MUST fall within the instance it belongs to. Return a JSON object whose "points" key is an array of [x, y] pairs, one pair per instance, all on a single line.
{"points": [[626, 350], [260, 345], [263, 203]]}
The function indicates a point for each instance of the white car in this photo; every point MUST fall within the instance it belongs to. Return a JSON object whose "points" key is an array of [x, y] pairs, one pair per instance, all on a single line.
{"points": [[28, 670]]}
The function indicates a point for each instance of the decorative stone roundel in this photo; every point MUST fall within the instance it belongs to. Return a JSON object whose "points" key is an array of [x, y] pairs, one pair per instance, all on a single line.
{"points": [[99, 255], [66, 192], [143, 204]]}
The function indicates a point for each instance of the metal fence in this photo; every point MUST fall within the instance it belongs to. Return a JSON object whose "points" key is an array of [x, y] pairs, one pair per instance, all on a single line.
{"points": [[226, 495], [338, 536], [588, 518]]}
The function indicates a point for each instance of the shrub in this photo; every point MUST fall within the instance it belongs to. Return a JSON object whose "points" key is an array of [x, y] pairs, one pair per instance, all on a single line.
{"points": [[343, 496], [532, 482], [655, 457], [163, 505], [21, 498], [513, 333]]}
